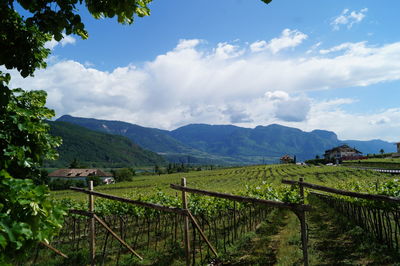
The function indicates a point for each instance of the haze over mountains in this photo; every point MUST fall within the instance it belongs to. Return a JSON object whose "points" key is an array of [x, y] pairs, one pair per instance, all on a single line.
{"points": [[228, 144]]}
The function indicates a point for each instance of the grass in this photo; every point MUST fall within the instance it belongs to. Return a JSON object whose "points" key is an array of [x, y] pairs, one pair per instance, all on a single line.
{"points": [[256, 248]]}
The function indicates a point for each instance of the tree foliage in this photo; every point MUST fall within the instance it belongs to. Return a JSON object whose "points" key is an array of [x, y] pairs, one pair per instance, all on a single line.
{"points": [[24, 140], [26, 213], [123, 174], [27, 216]]}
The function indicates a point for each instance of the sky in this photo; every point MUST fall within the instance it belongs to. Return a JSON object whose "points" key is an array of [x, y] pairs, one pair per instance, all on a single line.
{"points": [[311, 64]]}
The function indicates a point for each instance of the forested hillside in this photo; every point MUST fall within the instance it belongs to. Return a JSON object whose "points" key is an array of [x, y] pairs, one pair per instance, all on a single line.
{"points": [[97, 149]]}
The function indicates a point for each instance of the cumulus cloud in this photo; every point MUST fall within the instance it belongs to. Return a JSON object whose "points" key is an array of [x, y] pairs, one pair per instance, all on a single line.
{"points": [[67, 39], [226, 50], [287, 108], [288, 39], [187, 44], [224, 84], [277, 95], [348, 18]]}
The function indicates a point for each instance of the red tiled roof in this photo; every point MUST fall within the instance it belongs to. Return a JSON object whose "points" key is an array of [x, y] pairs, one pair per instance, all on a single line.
{"points": [[78, 173]]}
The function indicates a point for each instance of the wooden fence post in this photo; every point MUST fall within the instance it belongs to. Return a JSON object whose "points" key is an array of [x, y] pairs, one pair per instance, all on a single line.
{"points": [[186, 223], [92, 242], [303, 224]]}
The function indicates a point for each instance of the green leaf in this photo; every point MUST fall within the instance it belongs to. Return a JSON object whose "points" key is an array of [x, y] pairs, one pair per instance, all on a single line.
{"points": [[3, 241]]}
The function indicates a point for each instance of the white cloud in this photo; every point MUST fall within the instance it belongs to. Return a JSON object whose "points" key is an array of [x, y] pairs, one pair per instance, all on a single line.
{"points": [[237, 114], [348, 18], [314, 47], [288, 108], [226, 50], [380, 120], [51, 44], [382, 125], [294, 110], [225, 84], [277, 95], [358, 48], [288, 39], [67, 39], [187, 44]]}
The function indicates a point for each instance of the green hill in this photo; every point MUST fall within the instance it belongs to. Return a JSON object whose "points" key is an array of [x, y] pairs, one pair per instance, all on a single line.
{"points": [[98, 149]]}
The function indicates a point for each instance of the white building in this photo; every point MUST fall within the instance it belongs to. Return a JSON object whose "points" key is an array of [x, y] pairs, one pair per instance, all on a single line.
{"points": [[341, 152], [81, 174]]}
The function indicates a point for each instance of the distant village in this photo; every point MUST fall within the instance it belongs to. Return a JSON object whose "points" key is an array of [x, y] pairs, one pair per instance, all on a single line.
{"points": [[339, 154]]}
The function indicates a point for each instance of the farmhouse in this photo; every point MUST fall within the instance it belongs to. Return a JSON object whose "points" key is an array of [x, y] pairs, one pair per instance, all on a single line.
{"points": [[343, 152], [286, 159], [81, 174]]}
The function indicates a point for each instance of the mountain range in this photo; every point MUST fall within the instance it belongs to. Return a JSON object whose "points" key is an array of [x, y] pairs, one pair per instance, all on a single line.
{"points": [[228, 144]]}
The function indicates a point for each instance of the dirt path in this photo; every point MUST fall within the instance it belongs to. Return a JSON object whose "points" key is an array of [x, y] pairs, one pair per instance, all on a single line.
{"points": [[259, 247]]}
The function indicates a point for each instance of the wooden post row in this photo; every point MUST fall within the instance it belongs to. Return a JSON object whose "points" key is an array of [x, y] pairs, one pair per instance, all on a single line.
{"points": [[186, 223], [92, 243], [303, 225]]}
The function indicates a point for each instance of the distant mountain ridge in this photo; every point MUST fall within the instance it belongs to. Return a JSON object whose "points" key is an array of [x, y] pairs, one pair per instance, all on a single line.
{"points": [[229, 144]]}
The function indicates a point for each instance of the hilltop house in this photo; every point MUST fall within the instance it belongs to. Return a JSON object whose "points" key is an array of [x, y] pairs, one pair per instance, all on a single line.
{"points": [[343, 152], [81, 174], [286, 159]]}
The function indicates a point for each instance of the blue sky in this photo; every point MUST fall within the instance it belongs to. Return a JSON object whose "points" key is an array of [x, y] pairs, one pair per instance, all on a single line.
{"points": [[311, 64]]}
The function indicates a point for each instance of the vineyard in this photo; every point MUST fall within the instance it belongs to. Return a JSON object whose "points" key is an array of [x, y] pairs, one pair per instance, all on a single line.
{"points": [[377, 163], [240, 232]]}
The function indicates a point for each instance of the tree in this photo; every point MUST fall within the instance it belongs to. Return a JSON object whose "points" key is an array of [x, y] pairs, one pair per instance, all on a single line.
{"points": [[382, 151], [74, 164], [26, 214], [123, 174]]}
